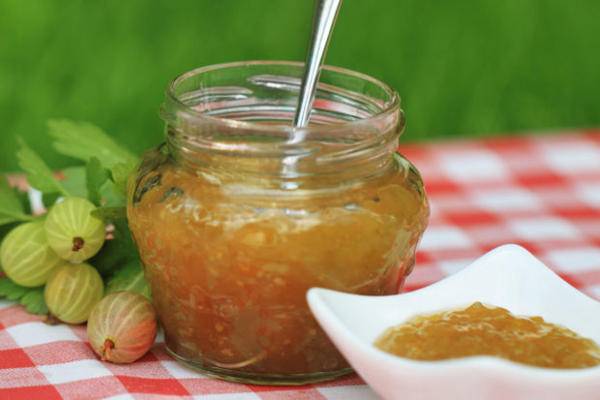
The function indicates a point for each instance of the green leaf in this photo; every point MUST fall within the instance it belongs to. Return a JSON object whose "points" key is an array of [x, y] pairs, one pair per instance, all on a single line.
{"points": [[11, 208], [49, 199], [23, 198], [116, 252], [111, 196], [74, 181], [130, 278], [95, 177], [31, 298], [120, 174], [39, 175], [83, 141], [11, 290], [109, 214], [34, 301]]}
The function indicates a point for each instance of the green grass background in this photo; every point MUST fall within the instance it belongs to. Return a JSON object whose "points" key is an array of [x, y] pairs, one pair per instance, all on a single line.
{"points": [[462, 67]]}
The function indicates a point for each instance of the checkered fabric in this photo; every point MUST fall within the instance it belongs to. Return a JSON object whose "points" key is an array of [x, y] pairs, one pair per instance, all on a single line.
{"points": [[542, 192]]}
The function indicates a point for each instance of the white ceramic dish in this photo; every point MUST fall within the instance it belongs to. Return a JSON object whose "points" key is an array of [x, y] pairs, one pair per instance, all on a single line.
{"points": [[509, 277]]}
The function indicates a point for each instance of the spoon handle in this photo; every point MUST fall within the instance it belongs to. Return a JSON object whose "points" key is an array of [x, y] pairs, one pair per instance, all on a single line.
{"points": [[325, 13]]}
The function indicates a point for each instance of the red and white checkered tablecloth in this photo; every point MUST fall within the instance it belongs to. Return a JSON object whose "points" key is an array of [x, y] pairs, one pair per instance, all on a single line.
{"points": [[542, 192]]}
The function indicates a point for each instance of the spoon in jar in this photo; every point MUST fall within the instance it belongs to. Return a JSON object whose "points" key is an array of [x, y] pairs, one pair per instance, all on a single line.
{"points": [[325, 14]]}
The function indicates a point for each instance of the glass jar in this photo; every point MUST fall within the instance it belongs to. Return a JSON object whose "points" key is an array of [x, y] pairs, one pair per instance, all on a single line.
{"points": [[238, 214]]}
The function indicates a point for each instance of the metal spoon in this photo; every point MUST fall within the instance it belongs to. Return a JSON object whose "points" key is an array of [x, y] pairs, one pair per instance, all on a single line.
{"points": [[325, 14]]}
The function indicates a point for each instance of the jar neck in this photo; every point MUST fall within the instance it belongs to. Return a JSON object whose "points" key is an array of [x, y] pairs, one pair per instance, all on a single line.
{"points": [[317, 161], [235, 120]]}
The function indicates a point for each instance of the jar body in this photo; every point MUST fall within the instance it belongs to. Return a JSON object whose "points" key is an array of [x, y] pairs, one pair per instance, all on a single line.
{"points": [[231, 241], [229, 273]]}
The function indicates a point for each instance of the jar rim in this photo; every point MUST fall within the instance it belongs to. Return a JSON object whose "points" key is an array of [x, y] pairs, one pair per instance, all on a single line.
{"points": [[389, 106]]}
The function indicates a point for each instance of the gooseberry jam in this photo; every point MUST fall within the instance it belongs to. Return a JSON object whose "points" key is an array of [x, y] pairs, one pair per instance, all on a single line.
{"points": [[233, 229], [494, 331]]}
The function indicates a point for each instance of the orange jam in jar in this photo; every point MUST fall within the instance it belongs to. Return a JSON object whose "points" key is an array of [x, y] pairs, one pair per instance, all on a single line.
{"points": [[238, 215], [493, 331]]}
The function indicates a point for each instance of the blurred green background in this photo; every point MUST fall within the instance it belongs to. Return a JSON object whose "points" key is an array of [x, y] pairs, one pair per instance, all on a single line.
{"points": [[462, 67]]}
